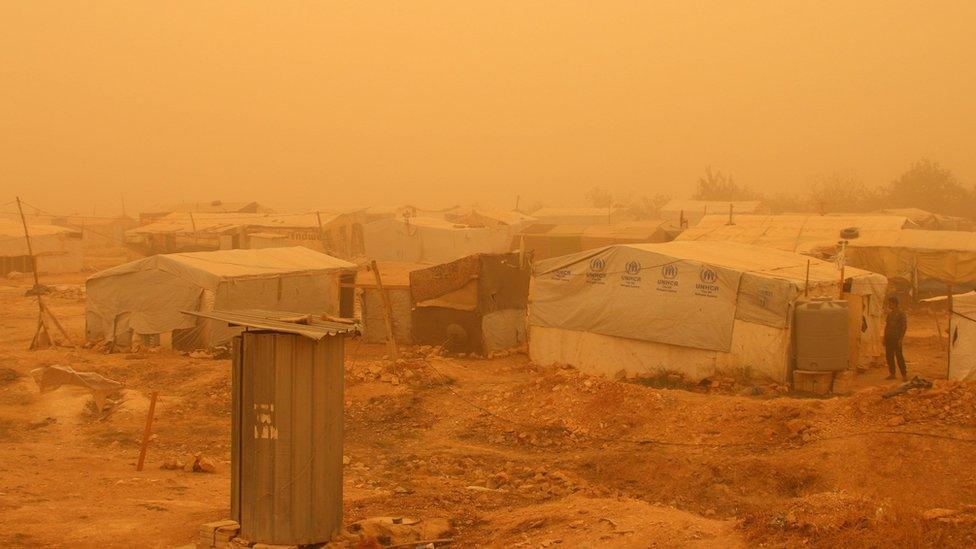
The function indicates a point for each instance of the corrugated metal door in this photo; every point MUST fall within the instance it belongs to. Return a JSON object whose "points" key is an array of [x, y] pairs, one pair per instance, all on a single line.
{"points": [[287, 438]]}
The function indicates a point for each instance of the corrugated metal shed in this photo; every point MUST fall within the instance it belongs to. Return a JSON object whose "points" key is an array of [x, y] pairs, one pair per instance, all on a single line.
{"points": [[287, 426]]}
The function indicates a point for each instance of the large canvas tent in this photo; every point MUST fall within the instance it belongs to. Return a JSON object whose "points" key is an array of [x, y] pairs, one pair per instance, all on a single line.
{"points": [[146, 297], [693, 307], [962, 338], [545, 241], [917, 256], [56, 249], [690, 212], [800, 233], [431, 241]]}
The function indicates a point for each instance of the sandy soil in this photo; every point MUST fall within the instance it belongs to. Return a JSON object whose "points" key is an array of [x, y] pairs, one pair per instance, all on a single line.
{"points": [[512, 453]]}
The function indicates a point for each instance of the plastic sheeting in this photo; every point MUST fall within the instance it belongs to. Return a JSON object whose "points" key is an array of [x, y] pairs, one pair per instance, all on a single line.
{"points": [[962, 333], [503, 329], [915, 255], [57, 249], [761, 349], [146, 296], [639, 293], [793, 233], [659, 292], [433, 241]]}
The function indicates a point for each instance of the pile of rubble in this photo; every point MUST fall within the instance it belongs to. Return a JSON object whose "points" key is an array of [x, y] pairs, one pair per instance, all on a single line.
{"points": [[369, 533]]}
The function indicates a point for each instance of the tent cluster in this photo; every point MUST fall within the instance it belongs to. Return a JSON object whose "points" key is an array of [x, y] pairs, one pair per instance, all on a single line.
{"points": [[711, 286]]}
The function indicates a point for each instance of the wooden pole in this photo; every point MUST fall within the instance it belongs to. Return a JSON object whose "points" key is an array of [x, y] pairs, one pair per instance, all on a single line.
{"points": [[840, 290], [730, 214], [318, 218], [806, 283], [387, 311], [148, 431], [30, 249], [949, 335], [41, 337]]}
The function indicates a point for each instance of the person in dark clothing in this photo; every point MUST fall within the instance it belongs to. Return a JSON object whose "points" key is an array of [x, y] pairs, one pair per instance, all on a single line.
{"points": [[895, 326]]}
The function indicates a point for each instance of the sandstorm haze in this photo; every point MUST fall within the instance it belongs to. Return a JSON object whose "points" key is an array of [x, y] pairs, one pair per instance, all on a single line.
{"points": [[328, 104]]}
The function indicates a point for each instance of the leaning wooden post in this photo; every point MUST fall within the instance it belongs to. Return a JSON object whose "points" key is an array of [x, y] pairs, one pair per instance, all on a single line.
{"points": [[148, 431], [387, 311], [949, 335], [41, 337]]}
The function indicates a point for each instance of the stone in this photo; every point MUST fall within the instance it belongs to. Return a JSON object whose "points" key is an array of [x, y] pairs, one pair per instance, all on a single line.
{"points": [[937, 513], [896, 421]]}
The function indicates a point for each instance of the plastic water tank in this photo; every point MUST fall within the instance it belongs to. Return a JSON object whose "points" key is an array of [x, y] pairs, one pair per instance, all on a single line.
{"points": [[821, 335]]}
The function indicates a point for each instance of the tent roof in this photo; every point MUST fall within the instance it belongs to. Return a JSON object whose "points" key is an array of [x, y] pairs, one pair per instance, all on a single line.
{"points": [[796, 233], [628, 230], [214, 206], [430, 223], [715, 206], [915, 239], [207, 269], [560, 212], [730, 255], [14, 229], [505, 217], [216, 222]]}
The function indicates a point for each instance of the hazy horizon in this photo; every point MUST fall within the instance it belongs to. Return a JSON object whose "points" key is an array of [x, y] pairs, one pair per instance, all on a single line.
{"points": [[322, 105]]}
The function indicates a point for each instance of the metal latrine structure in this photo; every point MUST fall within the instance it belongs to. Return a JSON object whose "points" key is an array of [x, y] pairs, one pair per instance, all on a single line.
{"points": [[287, 427]]}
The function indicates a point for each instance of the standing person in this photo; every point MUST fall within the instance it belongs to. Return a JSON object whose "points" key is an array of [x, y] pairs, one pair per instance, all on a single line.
{"points": [[895, 326]]}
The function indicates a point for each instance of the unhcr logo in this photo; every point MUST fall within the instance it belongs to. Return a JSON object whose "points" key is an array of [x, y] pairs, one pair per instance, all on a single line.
{"points": [[596, 274], [707, 287], [668, 282], [598, 264], [631, 277]]}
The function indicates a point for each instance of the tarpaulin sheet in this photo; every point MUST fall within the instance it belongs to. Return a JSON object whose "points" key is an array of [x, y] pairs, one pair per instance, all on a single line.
{"points": [[636, 292], [962, 335]]}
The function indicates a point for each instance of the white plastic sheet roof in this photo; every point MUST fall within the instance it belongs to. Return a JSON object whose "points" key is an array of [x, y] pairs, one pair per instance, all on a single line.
{"points": [[207, 269]]}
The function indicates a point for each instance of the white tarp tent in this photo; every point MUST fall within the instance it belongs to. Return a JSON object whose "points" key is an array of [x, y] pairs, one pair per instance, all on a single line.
{"points": [[802, 233], [146, 296], [962, 334], [57, 249], [694, 307], [432, 241], [692, 211]]}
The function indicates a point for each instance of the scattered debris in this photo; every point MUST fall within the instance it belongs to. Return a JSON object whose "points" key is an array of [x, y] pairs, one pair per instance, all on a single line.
{"points": [[915, 383], [393, 532], [49, 378]]}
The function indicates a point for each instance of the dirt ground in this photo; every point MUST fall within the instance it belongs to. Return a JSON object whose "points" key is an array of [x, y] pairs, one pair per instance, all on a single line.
{"points": [[512, 454]]}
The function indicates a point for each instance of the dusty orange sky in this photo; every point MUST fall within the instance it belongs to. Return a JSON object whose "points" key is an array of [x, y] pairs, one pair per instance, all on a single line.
{"points": [[326, 104]]}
